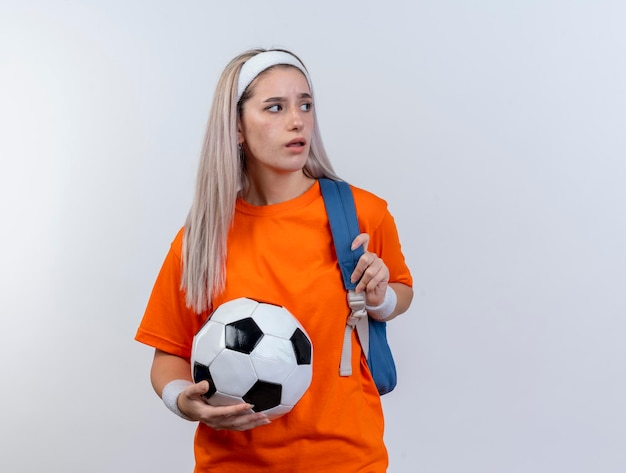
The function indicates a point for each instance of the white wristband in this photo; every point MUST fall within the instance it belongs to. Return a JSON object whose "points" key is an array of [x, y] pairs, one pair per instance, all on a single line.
{"points": [[386, 308], [170, 394]]}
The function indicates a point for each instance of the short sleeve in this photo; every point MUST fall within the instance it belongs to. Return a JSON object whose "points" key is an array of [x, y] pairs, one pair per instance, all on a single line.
{"points": [[376, 220], [168, 324], [385, 242]]}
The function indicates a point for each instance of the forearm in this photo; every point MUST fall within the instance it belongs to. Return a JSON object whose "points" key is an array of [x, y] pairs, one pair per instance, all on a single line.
{"points": [[190, 404], [166, 368]]}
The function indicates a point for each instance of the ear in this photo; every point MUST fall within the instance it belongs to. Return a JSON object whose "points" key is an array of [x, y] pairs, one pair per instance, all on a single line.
{"points": [[240, 135]]}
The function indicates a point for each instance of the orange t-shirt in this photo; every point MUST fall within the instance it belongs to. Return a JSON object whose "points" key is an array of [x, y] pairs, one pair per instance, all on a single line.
{"points": [[284, 254]]}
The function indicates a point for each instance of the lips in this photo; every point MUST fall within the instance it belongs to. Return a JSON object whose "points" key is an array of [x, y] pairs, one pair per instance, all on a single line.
{"points": [[296, 143]]}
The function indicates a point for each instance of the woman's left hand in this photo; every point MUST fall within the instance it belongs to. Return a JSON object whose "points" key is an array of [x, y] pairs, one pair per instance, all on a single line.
{"points": [[372, 271]]}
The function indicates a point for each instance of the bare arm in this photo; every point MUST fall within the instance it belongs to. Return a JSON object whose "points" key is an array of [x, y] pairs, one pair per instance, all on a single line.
{"points": [[167, 368]]}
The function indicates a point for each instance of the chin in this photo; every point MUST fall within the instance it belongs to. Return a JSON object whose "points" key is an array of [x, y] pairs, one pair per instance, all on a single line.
{"points": [[297, 163]]}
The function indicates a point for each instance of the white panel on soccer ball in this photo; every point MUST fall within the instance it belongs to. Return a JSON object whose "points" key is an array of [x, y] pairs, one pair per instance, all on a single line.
{"points": [[296, 384], [275, 320], [208, 343], [277, 411], [273, 359], [221, 399], [233, 373], [234, 310]]}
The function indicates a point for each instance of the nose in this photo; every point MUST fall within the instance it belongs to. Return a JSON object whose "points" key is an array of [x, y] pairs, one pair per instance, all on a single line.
{"points": [[296, 121]]}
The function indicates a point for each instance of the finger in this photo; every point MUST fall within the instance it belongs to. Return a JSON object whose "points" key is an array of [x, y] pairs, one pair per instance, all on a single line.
{"points": [[365, 261], [251, 421], [370, 278], [374, 275], [363, 239], [374, 278], [234, 410], [231, 420], [197, 389]]}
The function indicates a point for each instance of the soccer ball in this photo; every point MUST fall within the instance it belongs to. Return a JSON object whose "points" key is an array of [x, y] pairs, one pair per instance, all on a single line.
{"points": [[253, 352]]}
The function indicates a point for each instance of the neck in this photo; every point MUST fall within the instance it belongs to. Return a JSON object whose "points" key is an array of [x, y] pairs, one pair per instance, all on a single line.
{"points": [[276, 188]]}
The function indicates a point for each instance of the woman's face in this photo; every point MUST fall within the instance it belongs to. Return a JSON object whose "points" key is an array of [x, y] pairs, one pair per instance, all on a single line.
{"points": [[276, 122]]}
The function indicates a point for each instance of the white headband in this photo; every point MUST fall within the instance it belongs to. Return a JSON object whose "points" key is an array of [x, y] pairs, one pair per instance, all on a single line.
{"points": [[257, 64]]}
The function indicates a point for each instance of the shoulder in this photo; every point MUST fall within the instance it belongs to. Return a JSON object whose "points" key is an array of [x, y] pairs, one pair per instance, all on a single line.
{"points": [[176, 246], [369, 206]]}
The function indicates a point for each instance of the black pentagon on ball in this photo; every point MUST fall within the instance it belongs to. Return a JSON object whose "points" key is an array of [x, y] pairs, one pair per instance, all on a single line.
{"points": [[264, 395], [243, 335], [301, 347], [201, 373]]}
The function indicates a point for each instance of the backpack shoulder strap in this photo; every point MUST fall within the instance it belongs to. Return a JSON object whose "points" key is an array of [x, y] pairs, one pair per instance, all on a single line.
{"points": [[344, 226]]}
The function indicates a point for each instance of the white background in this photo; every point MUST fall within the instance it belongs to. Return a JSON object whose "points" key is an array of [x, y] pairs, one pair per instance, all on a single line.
{"points": [[494, 129]]}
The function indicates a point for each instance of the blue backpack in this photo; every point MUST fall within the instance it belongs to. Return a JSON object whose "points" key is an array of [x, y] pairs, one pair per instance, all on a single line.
{"points": [[372, 334]]}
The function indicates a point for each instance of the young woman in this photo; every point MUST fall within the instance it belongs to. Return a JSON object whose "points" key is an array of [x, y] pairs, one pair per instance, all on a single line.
{"points": [[258, 228]]}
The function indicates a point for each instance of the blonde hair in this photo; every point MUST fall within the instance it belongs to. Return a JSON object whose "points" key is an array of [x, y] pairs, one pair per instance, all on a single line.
{"points": [[221, 174]]}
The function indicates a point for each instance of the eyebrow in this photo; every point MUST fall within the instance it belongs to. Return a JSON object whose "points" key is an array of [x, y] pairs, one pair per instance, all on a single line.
{"points": [[304, 95]]}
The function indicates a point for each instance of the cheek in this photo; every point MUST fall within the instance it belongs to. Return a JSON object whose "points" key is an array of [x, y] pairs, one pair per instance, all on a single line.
{"points": [[309, 122], [260, 139], [262, 134], [251, 130]]}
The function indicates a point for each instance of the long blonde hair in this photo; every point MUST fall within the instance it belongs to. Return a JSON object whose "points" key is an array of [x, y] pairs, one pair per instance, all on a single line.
{"points": [[221, 174]]}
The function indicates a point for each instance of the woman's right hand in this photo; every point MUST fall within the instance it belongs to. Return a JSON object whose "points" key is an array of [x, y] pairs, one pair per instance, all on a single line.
{"points": [[236, 417]]}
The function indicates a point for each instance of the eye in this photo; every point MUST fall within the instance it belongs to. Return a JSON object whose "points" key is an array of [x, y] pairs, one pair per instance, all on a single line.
{"points": [[306, 107], [274, 108]]}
